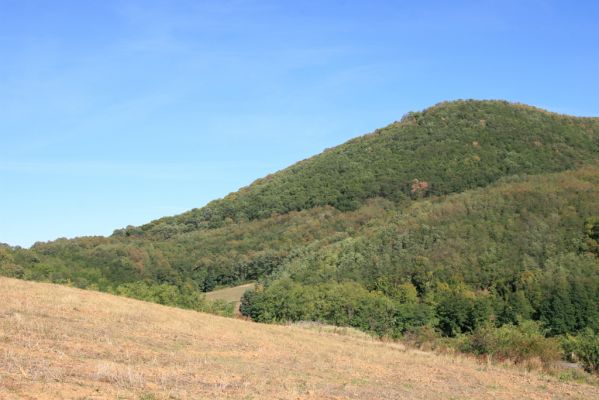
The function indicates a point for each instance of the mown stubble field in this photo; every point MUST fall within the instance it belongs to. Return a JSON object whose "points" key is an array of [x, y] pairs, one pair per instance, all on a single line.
{"points": [[62, 343]]}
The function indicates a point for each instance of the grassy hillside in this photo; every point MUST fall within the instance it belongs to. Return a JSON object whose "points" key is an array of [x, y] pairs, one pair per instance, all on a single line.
{"points": [[60, 342]]}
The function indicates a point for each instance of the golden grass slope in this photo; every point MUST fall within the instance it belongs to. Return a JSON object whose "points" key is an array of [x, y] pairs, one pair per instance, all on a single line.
{"points": [[62, 343], [230, 294]]}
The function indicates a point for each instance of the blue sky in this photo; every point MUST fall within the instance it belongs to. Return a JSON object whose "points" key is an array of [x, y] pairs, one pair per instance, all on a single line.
{"points": [[119, 112]]}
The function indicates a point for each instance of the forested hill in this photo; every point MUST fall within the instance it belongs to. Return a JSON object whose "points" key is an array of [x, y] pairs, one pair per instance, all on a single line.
{"points": [[448, 148], [525, 248], [466, 214]]}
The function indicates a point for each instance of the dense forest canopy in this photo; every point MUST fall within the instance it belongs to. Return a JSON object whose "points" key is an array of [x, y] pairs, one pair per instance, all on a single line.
{"points": [[523, 248], [447, 148], [461, 216]]}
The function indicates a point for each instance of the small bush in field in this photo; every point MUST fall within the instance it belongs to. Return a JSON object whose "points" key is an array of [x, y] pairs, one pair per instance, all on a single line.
{"points": [[584, 348], [518, 343], [424, 337]]}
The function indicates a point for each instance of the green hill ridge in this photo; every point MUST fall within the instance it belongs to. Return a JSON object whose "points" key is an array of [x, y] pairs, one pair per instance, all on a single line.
{"points": [[452, 146]]}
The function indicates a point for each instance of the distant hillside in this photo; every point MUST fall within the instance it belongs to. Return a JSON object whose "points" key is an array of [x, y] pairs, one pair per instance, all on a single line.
{"points": [[445, 149], [448, 148], [63, 343], [524, 248], [466, 215]]}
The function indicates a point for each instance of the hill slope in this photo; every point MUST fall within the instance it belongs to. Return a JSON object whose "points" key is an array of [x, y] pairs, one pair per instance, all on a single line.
{"points": [[464, 215], [59, 342], [452, 147], [448, 148], [525, 248]]}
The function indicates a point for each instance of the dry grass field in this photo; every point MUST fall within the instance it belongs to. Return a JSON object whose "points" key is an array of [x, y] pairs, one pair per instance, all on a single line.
{"points": [[232, 294], [62, 343]]}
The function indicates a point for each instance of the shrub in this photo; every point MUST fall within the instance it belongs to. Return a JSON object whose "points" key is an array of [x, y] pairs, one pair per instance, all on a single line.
{"points": [[218, 307], [423, 337], [584, 348], [518, 343]]}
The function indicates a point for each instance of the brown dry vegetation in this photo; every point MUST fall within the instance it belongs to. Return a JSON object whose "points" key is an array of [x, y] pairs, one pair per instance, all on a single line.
{"points": [[63, 343]]}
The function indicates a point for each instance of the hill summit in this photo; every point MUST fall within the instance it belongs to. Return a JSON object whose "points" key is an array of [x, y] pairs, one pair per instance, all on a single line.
{"points": [[448, 148]]}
